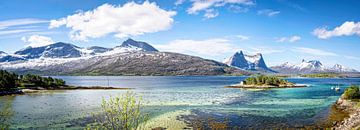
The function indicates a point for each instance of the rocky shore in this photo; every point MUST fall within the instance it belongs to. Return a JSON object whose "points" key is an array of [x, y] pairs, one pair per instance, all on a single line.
{"points": [[353, 108], [41, 89]]}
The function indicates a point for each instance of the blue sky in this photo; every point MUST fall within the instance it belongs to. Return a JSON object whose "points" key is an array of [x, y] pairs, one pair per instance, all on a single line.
{"points": [[283, 30]]}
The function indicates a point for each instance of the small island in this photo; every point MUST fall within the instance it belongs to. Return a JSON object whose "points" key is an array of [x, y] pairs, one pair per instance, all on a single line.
{"points": [[11, 83], [265, 82]]}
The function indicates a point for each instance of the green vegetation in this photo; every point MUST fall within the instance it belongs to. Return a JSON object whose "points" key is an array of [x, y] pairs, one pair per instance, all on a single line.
{"points": [[352, 93], [120, 113], [321, 75], [11, 81], [6, 112], [266, 80]]}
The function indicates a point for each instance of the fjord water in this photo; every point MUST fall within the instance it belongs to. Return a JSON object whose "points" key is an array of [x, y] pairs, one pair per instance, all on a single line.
{"points": [[201, 96]]}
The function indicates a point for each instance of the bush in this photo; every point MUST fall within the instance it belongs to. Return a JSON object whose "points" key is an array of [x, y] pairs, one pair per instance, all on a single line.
{"points": [[353, 92], [120, 113]]}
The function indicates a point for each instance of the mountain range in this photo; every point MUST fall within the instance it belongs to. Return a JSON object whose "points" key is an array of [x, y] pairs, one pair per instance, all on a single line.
{"points": [[130, 58], [312, 66], [140, 58]]}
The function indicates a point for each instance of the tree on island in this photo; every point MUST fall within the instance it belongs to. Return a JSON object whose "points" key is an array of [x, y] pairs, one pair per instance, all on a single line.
{"points": [[266, 80]]}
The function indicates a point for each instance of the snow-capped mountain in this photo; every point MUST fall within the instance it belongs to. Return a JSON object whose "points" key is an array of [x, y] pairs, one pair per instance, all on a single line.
{"points": [[247, 62], [130, 58], [143, 46], [312, 66], [97, 50], [341, 68], [68, 51], [56, 50], [4, 57]]}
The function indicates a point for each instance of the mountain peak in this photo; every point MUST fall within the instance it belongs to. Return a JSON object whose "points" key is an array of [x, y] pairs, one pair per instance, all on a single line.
{"points": [[129, 43], [247, 62], [55, 50], [315, 62], [239, 53]]}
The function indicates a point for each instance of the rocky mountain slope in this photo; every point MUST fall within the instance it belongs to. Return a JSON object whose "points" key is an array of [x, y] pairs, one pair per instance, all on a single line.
{"points": [[247, 62], [130, 58], [312, 66]]}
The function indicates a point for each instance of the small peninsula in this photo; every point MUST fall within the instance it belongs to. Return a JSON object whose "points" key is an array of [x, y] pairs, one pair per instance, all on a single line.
{"points": [[11, 83], [350, 103], [265, 82]]}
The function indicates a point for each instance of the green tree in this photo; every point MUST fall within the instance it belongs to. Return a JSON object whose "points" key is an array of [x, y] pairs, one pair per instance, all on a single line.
{"points": [[7, 80]]}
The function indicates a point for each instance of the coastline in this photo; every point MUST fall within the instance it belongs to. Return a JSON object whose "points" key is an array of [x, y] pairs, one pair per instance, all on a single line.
{"points": [[41, 89], [353, 120]]}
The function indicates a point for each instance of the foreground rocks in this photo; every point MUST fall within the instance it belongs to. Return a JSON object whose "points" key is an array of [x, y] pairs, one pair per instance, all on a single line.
{"points": [[353, 122]]}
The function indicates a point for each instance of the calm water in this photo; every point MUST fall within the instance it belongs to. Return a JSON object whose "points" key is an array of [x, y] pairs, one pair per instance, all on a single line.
{"points": [[204, 96]]}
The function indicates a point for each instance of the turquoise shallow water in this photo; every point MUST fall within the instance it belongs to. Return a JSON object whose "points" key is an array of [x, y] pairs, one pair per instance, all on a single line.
{"points": [[204, 96]]}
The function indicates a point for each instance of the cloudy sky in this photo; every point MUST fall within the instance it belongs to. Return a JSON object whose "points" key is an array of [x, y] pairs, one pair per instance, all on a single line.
{"points": [[283, 30]]}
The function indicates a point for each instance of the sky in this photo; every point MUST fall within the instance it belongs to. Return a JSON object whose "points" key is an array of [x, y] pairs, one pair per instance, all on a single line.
{"points": [[282, 30]]}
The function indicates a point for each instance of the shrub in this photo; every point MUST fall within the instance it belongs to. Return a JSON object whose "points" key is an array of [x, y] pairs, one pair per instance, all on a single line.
{"points": [[353, 92], [120, 113], [7, 80]]}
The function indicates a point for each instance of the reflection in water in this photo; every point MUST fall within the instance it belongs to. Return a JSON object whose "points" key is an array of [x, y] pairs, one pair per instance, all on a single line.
{"points": [[6, 112]]}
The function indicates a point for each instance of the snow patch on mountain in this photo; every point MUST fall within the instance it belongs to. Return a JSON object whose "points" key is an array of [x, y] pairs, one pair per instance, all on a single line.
{"points": [[61, 53], [247, 62], [312, 66]]}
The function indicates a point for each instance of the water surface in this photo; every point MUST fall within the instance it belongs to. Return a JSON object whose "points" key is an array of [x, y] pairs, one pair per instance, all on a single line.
{"points": [[203, 96]]}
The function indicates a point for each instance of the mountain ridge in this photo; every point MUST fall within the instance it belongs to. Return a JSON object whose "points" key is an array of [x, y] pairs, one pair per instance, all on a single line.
{"points": [[248, 62], [311, 66], [130, 58]]}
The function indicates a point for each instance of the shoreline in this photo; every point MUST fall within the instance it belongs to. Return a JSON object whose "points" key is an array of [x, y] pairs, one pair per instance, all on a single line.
{"points": [[353, 119], [41, 89]]}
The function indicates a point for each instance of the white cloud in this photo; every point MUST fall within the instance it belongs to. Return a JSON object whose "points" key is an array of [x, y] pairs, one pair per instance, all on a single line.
{"points": [[204, 5], [238, 9], [313, 51], [351, 57], [288, 39], [37, 41], [243, 37], [208, 47], [131, 19], [179, 2], [265, 50], [211, 13], [268, 12], [7, 32], [20, 22], [346, 29]]}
